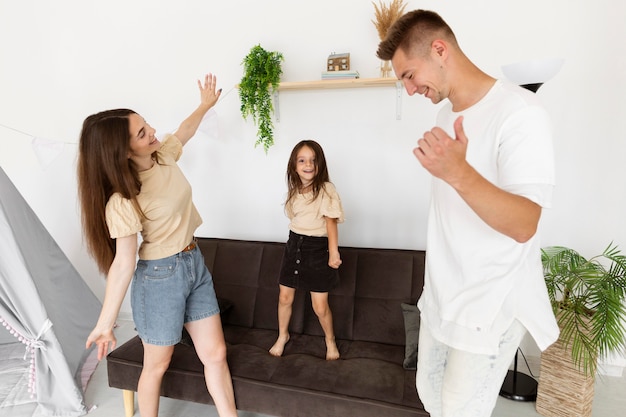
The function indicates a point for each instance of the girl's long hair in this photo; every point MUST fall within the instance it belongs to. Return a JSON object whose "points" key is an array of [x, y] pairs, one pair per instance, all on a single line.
{"points": [[294, 183], [104, 169]]}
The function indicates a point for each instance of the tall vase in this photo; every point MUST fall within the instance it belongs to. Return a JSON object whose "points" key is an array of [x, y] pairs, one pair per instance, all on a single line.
{"points": [[385, 69], [564, 390]]}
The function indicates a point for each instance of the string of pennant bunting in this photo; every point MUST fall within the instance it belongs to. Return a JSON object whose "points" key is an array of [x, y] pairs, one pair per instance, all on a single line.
{"points": [[46, 150]]}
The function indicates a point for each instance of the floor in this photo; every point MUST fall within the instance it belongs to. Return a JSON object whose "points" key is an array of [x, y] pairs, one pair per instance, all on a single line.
{"points": [[609, 401]]}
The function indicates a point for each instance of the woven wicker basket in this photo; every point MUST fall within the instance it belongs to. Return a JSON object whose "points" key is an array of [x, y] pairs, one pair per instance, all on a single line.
{"points": [[564, 390]]}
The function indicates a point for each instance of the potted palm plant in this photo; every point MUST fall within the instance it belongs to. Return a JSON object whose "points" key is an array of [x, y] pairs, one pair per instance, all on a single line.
{"points": [[588, 298], [262, 71]]}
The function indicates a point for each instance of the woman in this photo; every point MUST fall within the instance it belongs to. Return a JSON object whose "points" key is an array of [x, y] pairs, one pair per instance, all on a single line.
{"points": [[129, 183]]}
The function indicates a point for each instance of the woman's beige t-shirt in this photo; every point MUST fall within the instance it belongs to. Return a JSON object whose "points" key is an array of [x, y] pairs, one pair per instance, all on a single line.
{"points": [[307, 215], [165, 198]]}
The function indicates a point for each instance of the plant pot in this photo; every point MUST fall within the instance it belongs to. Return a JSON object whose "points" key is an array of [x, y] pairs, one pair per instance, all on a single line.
{"points": [[564, 390]]}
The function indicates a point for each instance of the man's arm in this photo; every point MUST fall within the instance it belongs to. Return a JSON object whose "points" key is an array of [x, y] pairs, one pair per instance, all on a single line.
{"points": [[445, 158]]}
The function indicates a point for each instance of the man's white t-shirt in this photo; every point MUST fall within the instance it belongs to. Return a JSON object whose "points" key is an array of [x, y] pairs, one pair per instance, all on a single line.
{"points": [[478, 280]]}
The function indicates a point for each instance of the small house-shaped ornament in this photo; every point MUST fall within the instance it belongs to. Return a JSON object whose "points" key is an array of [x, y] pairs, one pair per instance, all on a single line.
{"points": [[338, 62]]}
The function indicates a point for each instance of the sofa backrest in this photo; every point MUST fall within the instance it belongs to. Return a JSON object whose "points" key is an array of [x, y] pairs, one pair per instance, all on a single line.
{"points": [[365, 306]]}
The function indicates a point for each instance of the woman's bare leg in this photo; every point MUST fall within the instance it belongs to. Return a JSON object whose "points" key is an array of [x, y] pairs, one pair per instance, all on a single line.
{"points": [[208, 339], [156, 360]]}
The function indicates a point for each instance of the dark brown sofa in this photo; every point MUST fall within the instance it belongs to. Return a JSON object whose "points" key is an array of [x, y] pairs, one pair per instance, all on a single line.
{"points": [[368, 380]]}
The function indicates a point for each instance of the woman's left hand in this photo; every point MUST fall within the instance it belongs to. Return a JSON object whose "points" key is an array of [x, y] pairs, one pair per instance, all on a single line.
{"points": [[208, 94]]}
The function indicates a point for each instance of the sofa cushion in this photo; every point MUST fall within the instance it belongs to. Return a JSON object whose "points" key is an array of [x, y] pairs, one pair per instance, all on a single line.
{"points": [[411, 329], [365, 370], [383, 280], [247, 271]]}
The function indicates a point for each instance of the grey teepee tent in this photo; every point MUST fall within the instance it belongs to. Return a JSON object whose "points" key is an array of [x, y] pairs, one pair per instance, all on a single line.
{"points": [[44, 304]]}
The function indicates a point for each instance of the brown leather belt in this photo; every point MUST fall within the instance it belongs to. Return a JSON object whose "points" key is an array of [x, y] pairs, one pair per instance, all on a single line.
{"points": [[190, 246]]}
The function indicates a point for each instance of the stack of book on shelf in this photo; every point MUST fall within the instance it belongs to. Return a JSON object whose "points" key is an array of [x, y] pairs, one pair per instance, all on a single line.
{"points": [[339, 75]]}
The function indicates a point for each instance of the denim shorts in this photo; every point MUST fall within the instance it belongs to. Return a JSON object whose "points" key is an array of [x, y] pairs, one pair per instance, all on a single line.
{"points": [[168, 292]]}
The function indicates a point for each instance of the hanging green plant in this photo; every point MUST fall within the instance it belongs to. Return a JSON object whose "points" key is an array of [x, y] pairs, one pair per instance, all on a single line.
{"points": [[261, 72]]}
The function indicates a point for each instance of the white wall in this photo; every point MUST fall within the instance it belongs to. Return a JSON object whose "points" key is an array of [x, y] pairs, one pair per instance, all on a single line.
{"points": [[63, 60]]}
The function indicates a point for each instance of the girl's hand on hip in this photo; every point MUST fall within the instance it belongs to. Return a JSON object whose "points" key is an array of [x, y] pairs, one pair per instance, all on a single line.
{"points": [[334, 260]]}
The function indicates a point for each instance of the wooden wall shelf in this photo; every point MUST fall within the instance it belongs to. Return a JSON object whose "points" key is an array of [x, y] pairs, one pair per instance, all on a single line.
{"points": [[346, 83]]}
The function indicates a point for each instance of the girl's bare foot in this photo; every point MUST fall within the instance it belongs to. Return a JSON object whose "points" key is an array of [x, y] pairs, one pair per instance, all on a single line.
{"points": [[279, 346], [332, 353]]}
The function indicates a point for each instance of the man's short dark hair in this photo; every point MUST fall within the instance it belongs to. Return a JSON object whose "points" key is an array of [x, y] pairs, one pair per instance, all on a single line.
{"points": [[413, 33]]}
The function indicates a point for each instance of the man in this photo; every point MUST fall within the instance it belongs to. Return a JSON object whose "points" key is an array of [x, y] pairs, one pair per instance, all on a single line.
{"points": [[490, 155]]}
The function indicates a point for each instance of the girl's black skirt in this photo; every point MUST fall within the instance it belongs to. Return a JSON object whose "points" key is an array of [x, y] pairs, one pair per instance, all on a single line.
{"points": [[305, 264]]}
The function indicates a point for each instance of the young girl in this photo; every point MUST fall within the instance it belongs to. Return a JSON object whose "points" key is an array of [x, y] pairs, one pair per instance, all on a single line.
{"points": [[311, 256], [129, 183]]}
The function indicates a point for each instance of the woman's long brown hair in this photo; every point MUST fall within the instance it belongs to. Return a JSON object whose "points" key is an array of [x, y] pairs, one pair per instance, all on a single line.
{"points": [[294, 183], [104, 169]]}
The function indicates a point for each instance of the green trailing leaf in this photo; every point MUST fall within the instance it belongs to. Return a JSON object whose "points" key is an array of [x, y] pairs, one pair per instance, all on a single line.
{"points": [[261, 75], [588, 298]]}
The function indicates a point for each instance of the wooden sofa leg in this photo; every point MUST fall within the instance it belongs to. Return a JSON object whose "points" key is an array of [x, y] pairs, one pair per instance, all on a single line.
{"points": [[129, 403]]}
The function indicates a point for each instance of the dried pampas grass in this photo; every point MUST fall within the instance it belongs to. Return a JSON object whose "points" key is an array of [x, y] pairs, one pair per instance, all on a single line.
{"points": [[386, 15]]}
